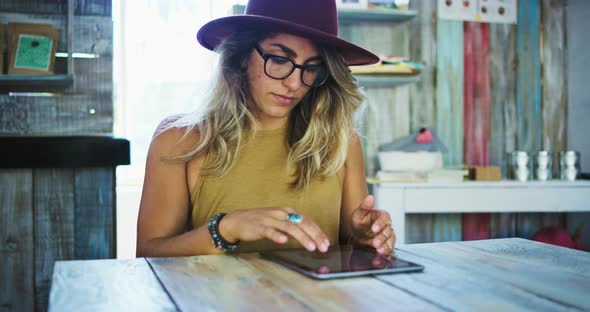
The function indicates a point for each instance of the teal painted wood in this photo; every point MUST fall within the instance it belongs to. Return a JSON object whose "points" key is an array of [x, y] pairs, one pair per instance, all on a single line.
{"points": [[95, 213], [423, 50], [16, 240], [54, 226], [528, 84], [449, 89], [447, 227]]}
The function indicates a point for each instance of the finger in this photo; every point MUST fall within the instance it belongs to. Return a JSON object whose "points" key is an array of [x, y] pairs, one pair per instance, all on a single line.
{"points": [[387, 247], [316, 234], [368, 203], [274, 235], [294, 231], [382, 237], [382, 220]]}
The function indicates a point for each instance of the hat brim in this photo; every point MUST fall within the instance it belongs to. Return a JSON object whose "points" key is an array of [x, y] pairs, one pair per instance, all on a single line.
{"points": [[213, 33]]}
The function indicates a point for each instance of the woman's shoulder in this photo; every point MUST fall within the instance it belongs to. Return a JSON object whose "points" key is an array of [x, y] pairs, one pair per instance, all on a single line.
{"points": [[175, 136]]}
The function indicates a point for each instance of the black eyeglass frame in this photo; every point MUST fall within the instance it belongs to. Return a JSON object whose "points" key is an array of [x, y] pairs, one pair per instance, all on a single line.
{"points": [[266, 57]]}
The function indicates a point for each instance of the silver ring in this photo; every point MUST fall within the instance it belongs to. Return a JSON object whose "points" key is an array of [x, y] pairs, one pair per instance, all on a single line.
{"points": [[389, 244], [294, 218], [386, 234], [389, 222]]}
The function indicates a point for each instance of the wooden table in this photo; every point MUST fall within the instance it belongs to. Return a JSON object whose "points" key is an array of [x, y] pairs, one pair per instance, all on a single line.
{"points": [[499, 275]]}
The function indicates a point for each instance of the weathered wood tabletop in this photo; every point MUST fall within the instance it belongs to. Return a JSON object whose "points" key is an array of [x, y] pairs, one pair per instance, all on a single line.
{"points": [[499, 275]]}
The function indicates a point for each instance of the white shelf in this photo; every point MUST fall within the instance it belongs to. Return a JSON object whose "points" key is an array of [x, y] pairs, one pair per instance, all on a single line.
{"points": [[375, 15]]}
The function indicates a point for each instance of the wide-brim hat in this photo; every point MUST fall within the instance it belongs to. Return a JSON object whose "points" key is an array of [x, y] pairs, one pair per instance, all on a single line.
{"points": [[316, 20]]}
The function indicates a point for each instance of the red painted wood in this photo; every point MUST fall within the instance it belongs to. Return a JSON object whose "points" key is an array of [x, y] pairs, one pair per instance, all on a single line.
{"points": [[476, 110]]}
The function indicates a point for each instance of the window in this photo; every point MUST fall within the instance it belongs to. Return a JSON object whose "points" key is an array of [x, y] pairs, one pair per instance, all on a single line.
{"points": [[159, 70]]}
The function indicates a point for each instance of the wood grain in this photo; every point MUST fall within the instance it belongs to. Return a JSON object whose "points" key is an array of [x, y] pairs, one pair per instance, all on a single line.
{"points": [[539, 281], [83, 7], [449, 89], [54, 226], [95, 213], [422, 34], [355, 294], [65, 115], [554, 66], [16, 240], [502, 57], [92, 34], [528, 84], [457, 289], [537, 253], [107, 285], [476, 127]]}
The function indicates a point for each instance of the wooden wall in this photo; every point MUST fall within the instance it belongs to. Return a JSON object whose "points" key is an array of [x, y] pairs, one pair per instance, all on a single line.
{"points": [[488, 89], [57, 213]]}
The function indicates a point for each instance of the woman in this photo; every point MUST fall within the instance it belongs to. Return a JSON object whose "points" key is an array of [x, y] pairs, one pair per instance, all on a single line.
{"points": [[274, 161]]}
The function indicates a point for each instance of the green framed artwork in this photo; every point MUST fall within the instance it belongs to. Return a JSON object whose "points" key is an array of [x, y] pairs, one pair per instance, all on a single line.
{"points": [[31, 48]]}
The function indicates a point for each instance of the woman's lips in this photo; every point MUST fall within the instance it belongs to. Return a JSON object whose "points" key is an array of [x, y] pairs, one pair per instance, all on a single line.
{"points": [[285, 100]]}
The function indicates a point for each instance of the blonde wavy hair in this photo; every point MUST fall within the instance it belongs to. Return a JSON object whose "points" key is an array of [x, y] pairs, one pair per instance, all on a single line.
{"points": [[319, 127]]}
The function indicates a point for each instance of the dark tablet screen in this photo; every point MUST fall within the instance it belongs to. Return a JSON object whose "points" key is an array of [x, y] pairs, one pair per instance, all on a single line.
{"points": [[341, 261]]}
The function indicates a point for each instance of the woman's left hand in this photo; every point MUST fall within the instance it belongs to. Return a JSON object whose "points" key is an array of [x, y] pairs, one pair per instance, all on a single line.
{"points": [[372, 227]]}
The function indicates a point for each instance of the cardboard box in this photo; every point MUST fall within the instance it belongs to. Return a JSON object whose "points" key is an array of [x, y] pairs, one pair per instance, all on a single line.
{"points": [[31, 48], [490, 173]]}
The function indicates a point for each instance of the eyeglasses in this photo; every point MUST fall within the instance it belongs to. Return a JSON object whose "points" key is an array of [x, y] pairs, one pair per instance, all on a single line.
{"points": [[278, 67]]}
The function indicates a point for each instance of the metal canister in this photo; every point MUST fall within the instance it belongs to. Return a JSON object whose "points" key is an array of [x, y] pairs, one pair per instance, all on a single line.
{"points": [[569, 165], [520, 164], [543, 165]]}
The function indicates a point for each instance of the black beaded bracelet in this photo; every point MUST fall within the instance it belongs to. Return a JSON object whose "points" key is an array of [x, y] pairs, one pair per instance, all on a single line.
{"points": [[218, 240]]}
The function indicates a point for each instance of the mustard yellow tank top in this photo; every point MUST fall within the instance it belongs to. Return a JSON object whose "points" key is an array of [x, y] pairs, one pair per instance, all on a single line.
{"points": [[259, 179]]}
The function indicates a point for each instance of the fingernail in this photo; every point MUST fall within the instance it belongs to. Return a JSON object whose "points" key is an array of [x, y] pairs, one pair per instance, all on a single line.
{"points": [[325, 245], [375, 228], [377, 242], [311, 246], [381, 250]]}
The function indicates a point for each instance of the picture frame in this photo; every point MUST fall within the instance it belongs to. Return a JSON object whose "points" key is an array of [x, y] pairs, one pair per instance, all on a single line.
{"points": [[31, 49], [352, 4]]}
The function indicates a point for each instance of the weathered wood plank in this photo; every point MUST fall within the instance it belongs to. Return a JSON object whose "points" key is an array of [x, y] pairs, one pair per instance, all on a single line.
{"points": [[539, 281], [419, 228], [447, 227], [538, 253], [423, 50], [95, 213], [502, 56], [82, 7], [75, 114], [351, 294], [54, 226], [476, 127], [107, 285], [92, 34], [528, 84], [554, 66], [198, 281], [16, 240], [464, 290], [449, 89], [502, 225]]}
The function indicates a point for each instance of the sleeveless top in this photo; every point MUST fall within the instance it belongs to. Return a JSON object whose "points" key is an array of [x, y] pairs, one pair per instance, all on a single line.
{"points": [[259, 179]]}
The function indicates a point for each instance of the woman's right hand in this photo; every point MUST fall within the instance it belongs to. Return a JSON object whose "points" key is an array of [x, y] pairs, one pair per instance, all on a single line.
{"points": [[272, 224]]}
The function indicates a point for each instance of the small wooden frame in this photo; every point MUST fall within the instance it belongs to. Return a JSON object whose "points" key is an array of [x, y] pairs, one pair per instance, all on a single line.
{"points": [[31, 48]]}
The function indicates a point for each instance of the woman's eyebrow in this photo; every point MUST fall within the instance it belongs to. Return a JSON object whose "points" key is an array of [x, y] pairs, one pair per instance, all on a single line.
{"points": [[293, 54]]}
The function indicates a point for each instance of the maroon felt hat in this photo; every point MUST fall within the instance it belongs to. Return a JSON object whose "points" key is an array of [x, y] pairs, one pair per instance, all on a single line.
{"points": [[316, 20]]}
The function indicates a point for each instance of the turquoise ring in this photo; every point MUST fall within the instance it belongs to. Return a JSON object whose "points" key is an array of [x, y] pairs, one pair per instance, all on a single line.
{"points": [[294, 218]]}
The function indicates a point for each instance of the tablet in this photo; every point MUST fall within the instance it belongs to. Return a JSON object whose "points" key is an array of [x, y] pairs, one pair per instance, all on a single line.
{"points": [[341, 261]]}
